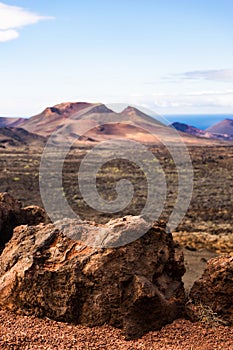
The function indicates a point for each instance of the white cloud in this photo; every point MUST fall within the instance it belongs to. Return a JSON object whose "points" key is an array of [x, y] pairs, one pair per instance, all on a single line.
{"points": [[6, 35], [13, 18], [214, 74], [203, 99]]}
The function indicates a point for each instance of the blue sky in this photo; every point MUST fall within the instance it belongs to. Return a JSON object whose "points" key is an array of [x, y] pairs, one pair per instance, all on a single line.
{"points": [[172, 56]]}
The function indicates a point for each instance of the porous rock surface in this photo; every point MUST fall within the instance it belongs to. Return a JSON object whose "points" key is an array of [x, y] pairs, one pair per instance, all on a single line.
{"points": [[214, 290], [12, 214], [136, 287]]}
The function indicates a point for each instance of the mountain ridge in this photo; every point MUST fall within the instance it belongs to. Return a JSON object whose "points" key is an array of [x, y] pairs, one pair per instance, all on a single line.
{"points": [[10, 121], [223, 127], [15, 136], [88, 122], [219, 131]]}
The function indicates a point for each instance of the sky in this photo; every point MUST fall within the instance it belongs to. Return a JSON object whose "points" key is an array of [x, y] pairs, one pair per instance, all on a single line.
{"points": [[171, 56]]}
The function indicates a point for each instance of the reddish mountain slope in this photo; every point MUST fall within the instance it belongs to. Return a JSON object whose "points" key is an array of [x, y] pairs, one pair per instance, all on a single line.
{"points": [[223, 127], [96, 122], [11, 122], [136, 115], [51, 118]]}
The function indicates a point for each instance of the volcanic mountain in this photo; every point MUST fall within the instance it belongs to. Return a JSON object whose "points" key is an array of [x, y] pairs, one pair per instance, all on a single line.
{"points": [[52, 118], [96, 122], [10, 136], [11, 122], [93, 122], [136, 115], [224, 127], [222, 131], [191, 130]]}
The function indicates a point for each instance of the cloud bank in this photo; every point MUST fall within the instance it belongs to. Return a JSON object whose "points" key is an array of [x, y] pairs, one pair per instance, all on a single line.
{"points": [[214, 74], [202, 99], [12, 18], [186, 101]]}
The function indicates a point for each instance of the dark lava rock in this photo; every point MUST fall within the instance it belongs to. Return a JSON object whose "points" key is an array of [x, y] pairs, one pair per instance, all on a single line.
{"points": [[214, 290], [136, 287], [12, 214]]}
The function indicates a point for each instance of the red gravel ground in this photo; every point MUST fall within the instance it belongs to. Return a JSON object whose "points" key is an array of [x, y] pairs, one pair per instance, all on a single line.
{"points": [[22, 332]]}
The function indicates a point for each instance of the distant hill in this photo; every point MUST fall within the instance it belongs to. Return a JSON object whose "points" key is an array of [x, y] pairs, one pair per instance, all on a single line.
{"points": [[191, 130], [224, 127], [213, 132], [11, 122], [16, 137]]}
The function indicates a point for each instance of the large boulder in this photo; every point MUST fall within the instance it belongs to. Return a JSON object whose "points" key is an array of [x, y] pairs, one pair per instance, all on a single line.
{"points": [[214, 292], [136, 287], [12, 214]]}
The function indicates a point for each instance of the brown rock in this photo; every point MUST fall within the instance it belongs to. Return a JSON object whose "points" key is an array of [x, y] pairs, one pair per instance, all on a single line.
{"points": [[10, 210], [12, 214], [136, 287], [33, 215], [214, 291]]}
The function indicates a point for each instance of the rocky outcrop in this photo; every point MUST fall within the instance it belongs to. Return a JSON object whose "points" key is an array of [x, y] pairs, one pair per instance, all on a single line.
{"points": [[136, 287], [12, 214], [214, 291]]}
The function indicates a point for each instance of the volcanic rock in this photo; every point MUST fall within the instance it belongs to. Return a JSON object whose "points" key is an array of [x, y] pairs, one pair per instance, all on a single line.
{"points": [[10, 210], [214, 290], [33, 215], [12, 214], [136, 287]]}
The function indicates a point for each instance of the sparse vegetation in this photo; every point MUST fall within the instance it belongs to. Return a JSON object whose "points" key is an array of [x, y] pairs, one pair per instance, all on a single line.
{"points": [[210, 208], [205, 315]]}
